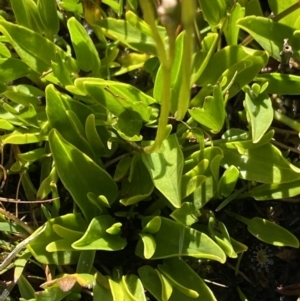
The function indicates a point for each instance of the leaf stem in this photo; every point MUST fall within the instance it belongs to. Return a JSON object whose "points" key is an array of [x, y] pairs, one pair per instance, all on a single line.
{"points": [[287, 121], [166, 63]]}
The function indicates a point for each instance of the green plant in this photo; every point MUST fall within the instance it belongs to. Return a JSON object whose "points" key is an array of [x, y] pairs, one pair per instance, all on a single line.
{"points": [[147, 171]]}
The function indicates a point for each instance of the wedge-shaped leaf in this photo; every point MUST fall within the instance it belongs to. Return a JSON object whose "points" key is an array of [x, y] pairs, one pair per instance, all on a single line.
{"points": [[128, 35], [25, 288], [22, 136], [12, 69], [219, 233], [27, 14], [228, 181], [226, 62], [116, 290], [133, 288], [49, 17], [187, 214], [97, 237], [203, 56], [238, 246], [213, 12], [275, 191], [208, 188], [174, 239], [279, 83], [268, 33], [130, 61], [72, 222], [80, 174], [26, 95], [71, 6], [263, 164], [4, 51], [260, 112], [231, 31], [269, 232], [59, 119], [129, 104], [122, 168], [166, 170], [61, 72], [242, 140], [212, 115], [34, 50], [141, 25], [102, 288], [86, 53], [137, 188], [120, 90], [151, 281], [185, 280], [26, 114]]}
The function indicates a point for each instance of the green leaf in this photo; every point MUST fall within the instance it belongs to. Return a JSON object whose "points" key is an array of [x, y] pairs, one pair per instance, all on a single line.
{"points": [[279, 83], [275, 191], [166, 169], [185, 281], [71, 6], [225, 63], [46, 185], [4, 51], [138, 187], [193, 178], [122, 168], [131, 61], [263, 164], [123, 100], [93, 137], [116, 290], [37, 247], [48, 13], [268, 33], [212, 115], [34, 50], [133, 288], [26, 290], [22, 136], [80, 174], [269, 232], [86, 53], [208, 188], [96, 236], [26, 95], [227, 182], [27, 14], [60, 71], [260, 112], [214, 12], [102, 288], [128, 35], [279, 6], [151, 281], [219, 233], [187, 214], [231, 31], [59, 120], [12, 69], [174, 239]]}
